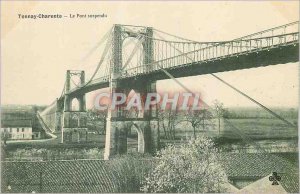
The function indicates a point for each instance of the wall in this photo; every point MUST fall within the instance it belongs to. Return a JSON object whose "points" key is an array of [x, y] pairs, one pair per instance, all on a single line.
{"points": [[18, 132]]}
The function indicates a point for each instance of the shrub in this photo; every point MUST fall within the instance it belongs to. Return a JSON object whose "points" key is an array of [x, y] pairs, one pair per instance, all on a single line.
{"points": [[129, 171], [191, 167]]}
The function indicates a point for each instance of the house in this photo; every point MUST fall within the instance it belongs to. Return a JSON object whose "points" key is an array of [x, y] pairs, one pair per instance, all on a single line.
{"points": [[21, 129], [263, 186], [17, 129], [20, 122], [246, 171]]}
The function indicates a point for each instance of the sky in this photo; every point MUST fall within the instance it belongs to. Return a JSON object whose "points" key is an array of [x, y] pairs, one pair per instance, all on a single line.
{"points": [[35, 54]]}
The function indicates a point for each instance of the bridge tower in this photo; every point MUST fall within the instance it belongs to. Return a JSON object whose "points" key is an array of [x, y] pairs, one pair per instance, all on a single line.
{"points": [[74, 121], [117, 125]]}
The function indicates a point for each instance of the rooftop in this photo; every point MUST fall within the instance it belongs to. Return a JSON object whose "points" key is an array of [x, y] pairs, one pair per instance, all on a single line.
{"points": [[13, 123], [259, 165]]}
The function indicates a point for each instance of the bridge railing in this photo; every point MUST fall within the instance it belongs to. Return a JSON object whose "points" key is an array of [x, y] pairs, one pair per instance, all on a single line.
{"points": [[94, 81], [100, 79], [224, 49], [279, 30]]}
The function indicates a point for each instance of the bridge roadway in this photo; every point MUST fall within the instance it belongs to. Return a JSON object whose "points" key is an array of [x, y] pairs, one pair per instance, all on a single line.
{"points": [[253, 57]]}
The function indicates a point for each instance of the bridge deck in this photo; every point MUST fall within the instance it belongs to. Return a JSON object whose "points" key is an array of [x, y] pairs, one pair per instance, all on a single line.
{"points": [[280, 54]]}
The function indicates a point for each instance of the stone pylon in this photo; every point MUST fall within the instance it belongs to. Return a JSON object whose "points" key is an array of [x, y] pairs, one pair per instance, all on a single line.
{"points": [[74, 122], [117, 125]]}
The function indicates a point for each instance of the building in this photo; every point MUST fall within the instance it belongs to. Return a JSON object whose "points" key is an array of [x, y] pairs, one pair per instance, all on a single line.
{"points": [[19, 122], [16, 129], [21, 129], [246, 171], [263, 185]]}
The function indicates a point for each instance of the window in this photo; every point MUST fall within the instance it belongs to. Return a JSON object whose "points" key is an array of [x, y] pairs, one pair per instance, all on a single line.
{"points": [[22, 129], [17, 129]]}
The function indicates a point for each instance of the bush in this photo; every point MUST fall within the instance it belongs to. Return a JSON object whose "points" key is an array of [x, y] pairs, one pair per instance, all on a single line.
{"points": [[191, 167], [129, 171]]}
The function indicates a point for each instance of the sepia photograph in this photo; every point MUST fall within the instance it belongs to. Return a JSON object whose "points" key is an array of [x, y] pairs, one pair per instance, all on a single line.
{"points": [[149, 96]]}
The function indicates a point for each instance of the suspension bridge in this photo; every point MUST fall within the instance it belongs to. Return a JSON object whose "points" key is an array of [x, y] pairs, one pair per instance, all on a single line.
{"points": [[158, 55]]}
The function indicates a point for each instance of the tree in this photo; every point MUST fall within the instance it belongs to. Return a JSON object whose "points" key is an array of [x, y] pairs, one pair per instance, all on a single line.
{"points": [[168, 119], [96, 119], [219, 112], [198, 118], [192, 167]]}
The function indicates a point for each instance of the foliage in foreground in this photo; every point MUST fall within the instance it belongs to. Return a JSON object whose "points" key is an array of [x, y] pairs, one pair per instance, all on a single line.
{"points": [[192, 167], [129, 171]]}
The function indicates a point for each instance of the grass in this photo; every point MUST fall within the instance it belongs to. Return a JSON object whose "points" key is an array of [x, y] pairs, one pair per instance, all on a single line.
{"points": [[254, 128], [261, 129]]}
